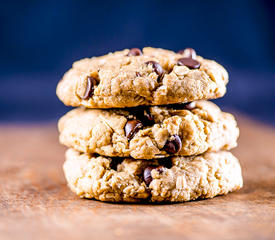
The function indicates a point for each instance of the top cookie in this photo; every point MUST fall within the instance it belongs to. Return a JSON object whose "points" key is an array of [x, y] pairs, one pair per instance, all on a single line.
{"points": [[133, 77]]}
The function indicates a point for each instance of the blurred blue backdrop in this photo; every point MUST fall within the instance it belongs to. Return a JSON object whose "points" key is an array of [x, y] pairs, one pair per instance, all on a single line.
{"points": [[39, 40]]}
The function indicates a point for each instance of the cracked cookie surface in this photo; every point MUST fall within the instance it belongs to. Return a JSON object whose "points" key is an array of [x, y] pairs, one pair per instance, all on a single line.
{"points": [[129, 180], [152, 76], [150, 132]]}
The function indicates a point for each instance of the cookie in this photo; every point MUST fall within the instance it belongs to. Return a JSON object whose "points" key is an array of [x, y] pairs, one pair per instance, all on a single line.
{"points": [[150, 132], [133, 77], [177, 180]]}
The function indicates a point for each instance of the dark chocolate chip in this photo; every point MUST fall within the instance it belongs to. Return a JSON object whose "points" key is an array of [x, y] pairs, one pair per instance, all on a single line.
{"points": [[143, 114], [189, 62], [134, 52], [147, 177], [149, 119], [188, 52], [91, 82], [157, 68], [174, 145], [132, 127], [189, 105]]}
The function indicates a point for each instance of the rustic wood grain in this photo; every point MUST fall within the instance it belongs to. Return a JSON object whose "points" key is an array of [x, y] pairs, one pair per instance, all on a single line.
{"points": [[36, 204]]}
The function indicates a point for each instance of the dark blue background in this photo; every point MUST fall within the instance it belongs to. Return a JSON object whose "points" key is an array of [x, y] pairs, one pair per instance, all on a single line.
{"points": [[39, 40]]}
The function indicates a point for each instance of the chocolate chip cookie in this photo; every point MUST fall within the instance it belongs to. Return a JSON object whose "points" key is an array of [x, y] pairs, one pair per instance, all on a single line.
{"points": [[177, 179], [150, 132], [134, 77]]}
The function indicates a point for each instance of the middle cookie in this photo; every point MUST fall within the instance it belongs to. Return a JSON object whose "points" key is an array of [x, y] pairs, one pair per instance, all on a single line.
{"points": [[150, 132]]}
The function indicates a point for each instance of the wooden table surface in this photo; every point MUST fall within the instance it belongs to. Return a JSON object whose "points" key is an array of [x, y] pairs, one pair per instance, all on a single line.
{"points": [[36, 204]]}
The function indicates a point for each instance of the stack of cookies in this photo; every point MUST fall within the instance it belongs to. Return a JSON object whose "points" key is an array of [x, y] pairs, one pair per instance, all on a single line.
{"points": [[144, 130]]}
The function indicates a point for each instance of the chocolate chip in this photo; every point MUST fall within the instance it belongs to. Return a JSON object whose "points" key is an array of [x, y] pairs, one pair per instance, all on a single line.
{"points": [[189, 105], [91, 82], [147, 177], [149, 119], [134, 52], [188, 53], [157, 68], [143, 113], [132, 127], [174, 145], [189, 62]]}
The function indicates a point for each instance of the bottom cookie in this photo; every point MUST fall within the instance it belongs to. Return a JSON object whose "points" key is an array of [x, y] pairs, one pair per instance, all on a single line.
{"points": [[128, 180]]}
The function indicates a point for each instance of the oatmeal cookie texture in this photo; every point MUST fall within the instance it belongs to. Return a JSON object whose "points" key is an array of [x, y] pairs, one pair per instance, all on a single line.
{"points": [[129, 180], [144, 130], [151, 132], [133, 77]]}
